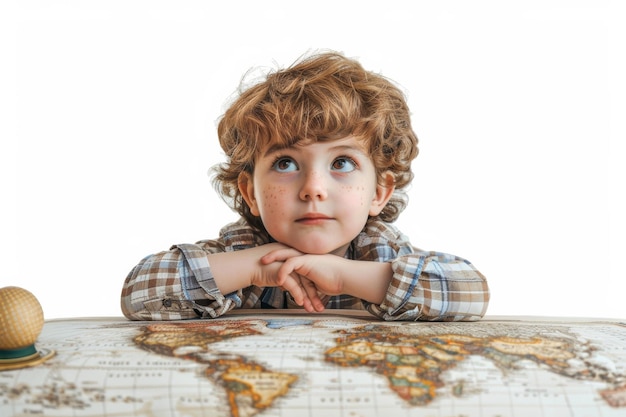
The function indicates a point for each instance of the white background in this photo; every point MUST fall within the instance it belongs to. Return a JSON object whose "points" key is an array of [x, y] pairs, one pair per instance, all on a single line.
{"points": [[108, 129]]}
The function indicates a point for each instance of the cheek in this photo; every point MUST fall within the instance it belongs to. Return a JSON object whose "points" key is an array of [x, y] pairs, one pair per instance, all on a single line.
{"points": [[271, 198], [356, 196]]}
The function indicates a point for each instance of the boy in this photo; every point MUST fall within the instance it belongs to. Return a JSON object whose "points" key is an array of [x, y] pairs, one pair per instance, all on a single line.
{"points": [[318, 157]]}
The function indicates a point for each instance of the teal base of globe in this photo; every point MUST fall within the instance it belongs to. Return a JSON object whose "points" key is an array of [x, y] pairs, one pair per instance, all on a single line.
{"points": [[21, 354], [23, 357]]}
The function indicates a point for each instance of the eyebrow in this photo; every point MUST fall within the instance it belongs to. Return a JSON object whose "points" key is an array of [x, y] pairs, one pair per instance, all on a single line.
{"points": [[358, 149], [275, 148]]}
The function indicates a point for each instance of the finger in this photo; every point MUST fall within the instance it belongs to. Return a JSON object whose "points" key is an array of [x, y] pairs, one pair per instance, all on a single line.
{"points": [[305, 296], [279, 255], [312, 294], [292, 286], [287, 270], [295, 287], [308, 306]]}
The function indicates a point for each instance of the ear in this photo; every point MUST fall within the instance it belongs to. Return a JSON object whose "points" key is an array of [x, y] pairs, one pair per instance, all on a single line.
{"points": [[384, 191], [246, 188]]}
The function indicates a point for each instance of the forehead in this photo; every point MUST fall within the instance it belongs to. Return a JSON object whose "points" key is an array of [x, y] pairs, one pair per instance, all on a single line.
{"points": [[347, 143]]}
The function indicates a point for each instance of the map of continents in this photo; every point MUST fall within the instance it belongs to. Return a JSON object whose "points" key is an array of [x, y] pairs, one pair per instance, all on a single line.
{"points": [[276, 364], [412, 359]]}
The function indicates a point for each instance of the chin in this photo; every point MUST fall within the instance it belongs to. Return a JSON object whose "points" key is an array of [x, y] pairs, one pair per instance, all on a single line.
{"points": [[311, 249], [318, 252], [319, 249]]}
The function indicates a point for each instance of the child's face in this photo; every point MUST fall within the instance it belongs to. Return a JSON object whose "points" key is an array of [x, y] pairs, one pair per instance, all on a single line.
{"points": [[316, 196]]}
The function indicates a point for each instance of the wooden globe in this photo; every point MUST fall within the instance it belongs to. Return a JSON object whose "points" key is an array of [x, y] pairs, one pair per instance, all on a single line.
{"points": [[21, 322]]}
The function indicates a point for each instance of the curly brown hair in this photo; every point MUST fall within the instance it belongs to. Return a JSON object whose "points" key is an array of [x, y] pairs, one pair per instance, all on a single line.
{"points": [[320, 97]]}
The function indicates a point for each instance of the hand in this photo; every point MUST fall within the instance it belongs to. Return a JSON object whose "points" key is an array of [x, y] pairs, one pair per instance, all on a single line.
{"points": [[332, 275], [317, 274], [301, 289]]}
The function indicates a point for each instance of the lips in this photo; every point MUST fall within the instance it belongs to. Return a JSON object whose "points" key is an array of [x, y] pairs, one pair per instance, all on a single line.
{"points": [[313, 218]]}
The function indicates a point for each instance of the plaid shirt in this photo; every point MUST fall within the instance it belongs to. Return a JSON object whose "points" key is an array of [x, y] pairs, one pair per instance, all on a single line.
{"points": [[178, 283]]}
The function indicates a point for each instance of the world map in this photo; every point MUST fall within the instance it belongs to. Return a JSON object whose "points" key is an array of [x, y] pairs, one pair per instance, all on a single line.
{"points": [[285, 364]]}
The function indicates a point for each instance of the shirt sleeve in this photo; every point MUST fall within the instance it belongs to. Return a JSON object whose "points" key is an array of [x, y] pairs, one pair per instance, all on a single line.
{"points": [[429, 286], [175, 284], [178, 284], [434, 286]]}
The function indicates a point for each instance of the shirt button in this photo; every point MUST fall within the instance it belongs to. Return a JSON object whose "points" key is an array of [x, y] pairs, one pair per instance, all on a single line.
{"points": [[167, 303]]}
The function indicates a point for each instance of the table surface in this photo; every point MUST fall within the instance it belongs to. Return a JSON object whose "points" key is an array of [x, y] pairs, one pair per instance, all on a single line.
{"points": [[342, 363]]}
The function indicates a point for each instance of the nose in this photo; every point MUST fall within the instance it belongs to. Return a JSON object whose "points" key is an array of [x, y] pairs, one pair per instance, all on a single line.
{"points": [[314, 187]]}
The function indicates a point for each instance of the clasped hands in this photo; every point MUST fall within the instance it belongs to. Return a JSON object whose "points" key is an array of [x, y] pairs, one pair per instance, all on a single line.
{"points": [[310, 279]]}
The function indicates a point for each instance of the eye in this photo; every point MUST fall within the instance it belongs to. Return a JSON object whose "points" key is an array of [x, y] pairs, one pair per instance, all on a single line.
{"points": [[343, 164], [284, 164]]}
